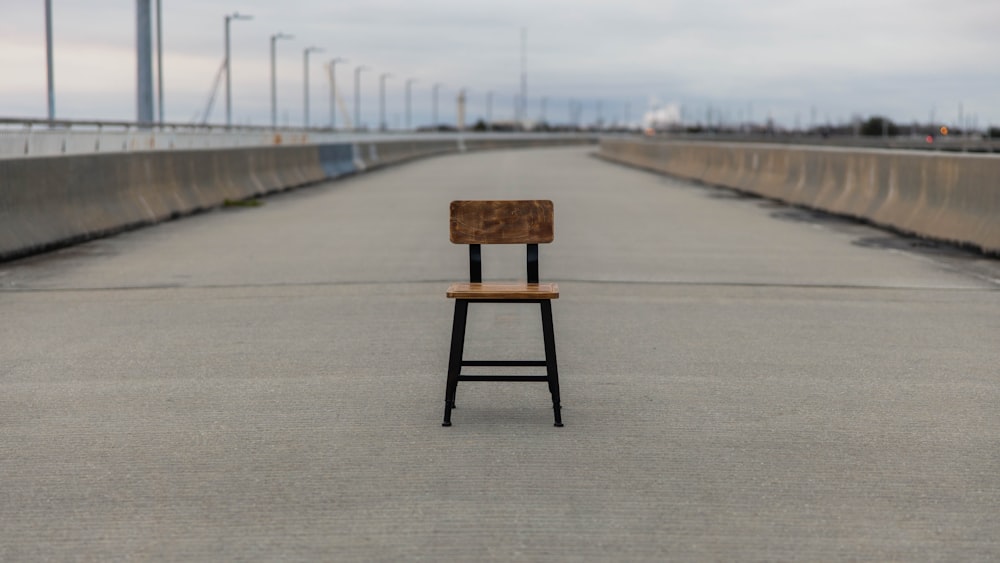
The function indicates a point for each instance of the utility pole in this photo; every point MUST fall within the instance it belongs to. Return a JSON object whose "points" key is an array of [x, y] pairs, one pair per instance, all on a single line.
{"points": [[48, 60], [523, 113], [382, 125], [274, 80], [144, 63], [333, 91], [305, 83], [434, 114], [409, 84], [460, 110], [229, 83], [489, 110], [159, 61], [357, 96]]}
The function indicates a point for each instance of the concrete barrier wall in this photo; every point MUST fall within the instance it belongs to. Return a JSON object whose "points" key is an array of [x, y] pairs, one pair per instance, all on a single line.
{"points": [[47, 202], [944, 196]]}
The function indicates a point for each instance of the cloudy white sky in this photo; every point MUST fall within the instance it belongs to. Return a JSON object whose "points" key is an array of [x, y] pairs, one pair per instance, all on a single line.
{"points": [[790, 59]]}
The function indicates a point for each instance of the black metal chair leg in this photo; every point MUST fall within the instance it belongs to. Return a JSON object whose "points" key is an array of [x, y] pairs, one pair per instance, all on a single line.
{"points": [[455, 358], [551, 368]]}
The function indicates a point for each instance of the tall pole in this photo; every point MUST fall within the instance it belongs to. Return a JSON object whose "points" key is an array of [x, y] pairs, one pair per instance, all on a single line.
{"points": [[274, 77], [305, 83], [333, 91], [524, 74], [357, 96], [229, 96], [409, 83], [229, 84], [489, 110], [460, 113], [545, 102], [435, 102], [144, 60], [381, 101], [48, 60], [159, 61]]}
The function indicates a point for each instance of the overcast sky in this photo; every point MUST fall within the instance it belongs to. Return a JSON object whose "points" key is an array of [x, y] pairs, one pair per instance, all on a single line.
{"points": [[790, 59]]}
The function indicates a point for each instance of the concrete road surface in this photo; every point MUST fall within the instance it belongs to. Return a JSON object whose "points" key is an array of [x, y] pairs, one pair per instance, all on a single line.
{"points": [[741, 381]]}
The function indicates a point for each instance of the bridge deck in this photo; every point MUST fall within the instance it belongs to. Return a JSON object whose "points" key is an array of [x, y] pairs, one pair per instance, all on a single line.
{"points": [[741, 380]]}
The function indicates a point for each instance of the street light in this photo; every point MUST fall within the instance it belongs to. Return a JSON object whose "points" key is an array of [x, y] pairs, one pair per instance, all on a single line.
{"points": [[48, 61], [305, 82], [159, 61], [434, 89], [381, 100], [274, 87], [357, 96], [489, 110], [333, 91], [229, 87], [409, 83], [460, 109]]}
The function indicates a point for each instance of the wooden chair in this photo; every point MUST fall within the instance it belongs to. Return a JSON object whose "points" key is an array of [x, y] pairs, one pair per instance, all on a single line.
{"points": [[476, 223]]}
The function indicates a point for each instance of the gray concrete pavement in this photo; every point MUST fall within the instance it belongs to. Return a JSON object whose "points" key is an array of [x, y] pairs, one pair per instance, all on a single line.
{"points": [[741, 381]]}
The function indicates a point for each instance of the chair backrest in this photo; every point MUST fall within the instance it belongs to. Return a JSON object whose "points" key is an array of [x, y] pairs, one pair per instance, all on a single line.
{"points": [[528, 222], [501, 222]]}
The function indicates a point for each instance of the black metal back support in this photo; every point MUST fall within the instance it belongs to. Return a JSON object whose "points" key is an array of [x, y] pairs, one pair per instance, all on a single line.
{"points": [[532, 263], [475, 263]]}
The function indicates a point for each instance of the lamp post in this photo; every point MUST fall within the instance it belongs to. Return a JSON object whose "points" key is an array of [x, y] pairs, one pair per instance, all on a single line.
{"points": [[357, 96], [48, 61], [434, 113], [159, 61], [274, 86], [305, 83], [333, 91], [144, 59], [409, 83], [460, 110], [229, 86], [489, 110], [381, 100]]}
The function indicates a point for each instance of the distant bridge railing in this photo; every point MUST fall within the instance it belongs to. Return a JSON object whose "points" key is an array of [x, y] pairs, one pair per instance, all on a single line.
{"points": [[20, 138], [25, 138]]}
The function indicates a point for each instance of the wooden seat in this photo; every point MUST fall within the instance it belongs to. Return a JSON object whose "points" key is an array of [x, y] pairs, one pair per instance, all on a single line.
{"points": [[528, 222], [511, 291]]}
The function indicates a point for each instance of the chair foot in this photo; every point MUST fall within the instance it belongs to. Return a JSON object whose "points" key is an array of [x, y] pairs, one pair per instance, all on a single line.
{"points": [[558, 425], [448, 406], [557, 410]]}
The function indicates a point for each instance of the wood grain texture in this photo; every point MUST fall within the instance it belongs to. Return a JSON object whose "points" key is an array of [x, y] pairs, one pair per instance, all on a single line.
{"points": [[512, 291], [502, 222]]}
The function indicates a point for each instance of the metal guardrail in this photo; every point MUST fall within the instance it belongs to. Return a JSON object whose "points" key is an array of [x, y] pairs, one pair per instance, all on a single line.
{"points": [[24, 138], [21, 138], [951, 143]]}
